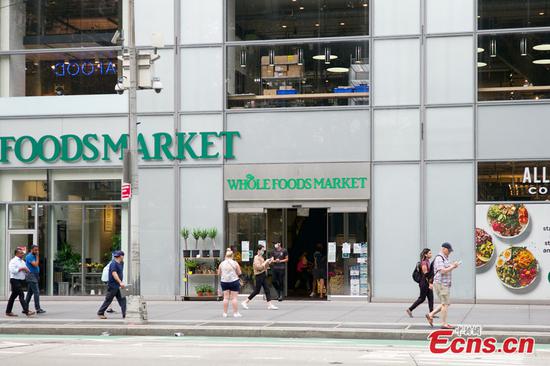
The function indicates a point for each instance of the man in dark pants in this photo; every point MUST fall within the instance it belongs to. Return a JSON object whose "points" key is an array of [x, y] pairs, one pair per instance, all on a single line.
{"points": [[280, 257], [114, 285], [17, 269], [32, 261]]}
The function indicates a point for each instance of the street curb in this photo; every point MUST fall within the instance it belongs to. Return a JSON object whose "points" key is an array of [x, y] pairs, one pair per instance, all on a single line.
{"points": [[252, 332]]}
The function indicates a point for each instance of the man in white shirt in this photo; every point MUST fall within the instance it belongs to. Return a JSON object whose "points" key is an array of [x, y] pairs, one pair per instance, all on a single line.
{"points": [[18, 269]]}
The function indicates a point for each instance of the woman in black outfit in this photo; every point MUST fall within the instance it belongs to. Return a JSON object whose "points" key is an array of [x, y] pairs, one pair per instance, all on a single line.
{"points": [[425, 283]]}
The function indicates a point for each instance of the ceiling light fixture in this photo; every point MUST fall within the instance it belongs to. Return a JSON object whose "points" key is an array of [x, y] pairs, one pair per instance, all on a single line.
{"points": [[271, 57], [342, 23], [541, 13], [300, 57], [339, 70], [322, 57], [523, 46], [243, 57], [316, 24], [302, 8], [542, 47], [493, 48], [481, 64], [479, 50], [284, 26], [358, 54], [543, 61]]}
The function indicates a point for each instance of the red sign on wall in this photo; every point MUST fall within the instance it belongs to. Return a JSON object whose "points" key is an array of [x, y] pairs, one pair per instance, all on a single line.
{"points": [[126, 191]]}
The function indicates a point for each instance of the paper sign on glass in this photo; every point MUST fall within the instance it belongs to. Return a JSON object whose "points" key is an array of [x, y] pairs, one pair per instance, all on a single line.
{"points": [[356, 248], [331, 257], [245, 255], [346, 250]]}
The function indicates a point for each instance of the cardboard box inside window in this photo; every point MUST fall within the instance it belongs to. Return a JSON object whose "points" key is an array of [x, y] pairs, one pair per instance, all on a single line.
{"points": [[281, 60]]}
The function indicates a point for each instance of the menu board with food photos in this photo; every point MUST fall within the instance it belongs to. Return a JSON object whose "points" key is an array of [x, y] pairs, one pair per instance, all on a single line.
{"points": [[512, 249]]}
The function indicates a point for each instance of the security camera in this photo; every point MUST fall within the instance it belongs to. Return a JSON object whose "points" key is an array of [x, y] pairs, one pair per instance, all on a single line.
{"points": [[157, 85], [119, 88], [117, 36]]}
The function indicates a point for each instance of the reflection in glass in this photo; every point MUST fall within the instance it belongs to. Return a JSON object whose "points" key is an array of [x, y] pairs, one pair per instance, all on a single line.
{"points": [[283, 19], [310, 74], [498, 14], [87, 190], [514, 66]]}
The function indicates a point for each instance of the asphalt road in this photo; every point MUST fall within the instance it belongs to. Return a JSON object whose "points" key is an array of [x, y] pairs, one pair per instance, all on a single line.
{"points": [[137, 351]]}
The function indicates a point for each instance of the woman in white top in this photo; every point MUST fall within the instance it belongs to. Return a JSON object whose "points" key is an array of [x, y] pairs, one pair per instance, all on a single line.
{"points": [[229, 270]]}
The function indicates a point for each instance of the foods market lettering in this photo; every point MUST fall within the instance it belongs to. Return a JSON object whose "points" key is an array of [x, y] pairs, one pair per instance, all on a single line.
{"points": [[252, 183], [93, 147], [536, 177]]}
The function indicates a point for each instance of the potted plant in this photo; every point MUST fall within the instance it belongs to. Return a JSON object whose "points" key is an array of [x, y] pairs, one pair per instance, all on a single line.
{"points": [[212, 233], [208, 290], [203, 233], [67, 260], [185, 235], [196, 234], [191, 265], [199, 289]]}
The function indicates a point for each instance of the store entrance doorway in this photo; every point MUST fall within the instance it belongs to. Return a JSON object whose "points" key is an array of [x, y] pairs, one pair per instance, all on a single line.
{"points": [[303, 233]]}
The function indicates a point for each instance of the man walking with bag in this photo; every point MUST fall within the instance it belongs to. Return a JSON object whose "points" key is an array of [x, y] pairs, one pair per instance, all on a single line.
{"points": [[17, 269], [114, 284], [32, 261]]}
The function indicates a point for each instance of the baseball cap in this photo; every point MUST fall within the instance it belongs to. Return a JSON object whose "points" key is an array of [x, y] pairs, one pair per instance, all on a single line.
{"points": [[118, 253], [448, 246]]}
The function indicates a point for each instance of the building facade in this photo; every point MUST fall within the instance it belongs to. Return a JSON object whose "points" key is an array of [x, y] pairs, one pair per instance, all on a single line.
{"points": [[364, 130]]}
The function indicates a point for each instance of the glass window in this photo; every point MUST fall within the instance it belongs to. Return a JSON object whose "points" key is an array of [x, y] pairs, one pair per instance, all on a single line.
{"points": [[514, 66], [397, 134], [301, 75], [29, 190], [66, 73], [513, 181], [283, 19], [497, 14], [61, 24], [396, 17], [87, 190]]}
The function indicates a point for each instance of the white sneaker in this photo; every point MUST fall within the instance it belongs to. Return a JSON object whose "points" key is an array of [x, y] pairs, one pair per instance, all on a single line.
{"points": [[237, 315], [244, 305], [272, 307], [312, 294], [224, 315]]}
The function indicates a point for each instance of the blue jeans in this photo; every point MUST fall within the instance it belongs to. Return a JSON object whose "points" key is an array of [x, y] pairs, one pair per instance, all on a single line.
{"points": [[33, 289]]}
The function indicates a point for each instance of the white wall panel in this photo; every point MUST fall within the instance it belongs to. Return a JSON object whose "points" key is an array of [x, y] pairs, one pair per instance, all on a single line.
{"points": [[396, 72], [149, 100], [449, 133], [396, 220], [450, 198], [159, 261], [202, 22], [450, 70], [202, 79], [154, 17], [321, 136], [450, 16], [396, 134], [396, 17]]}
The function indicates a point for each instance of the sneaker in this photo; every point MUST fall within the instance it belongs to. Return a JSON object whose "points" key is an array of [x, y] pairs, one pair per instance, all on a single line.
{"points": [[40, 311], [237, 315], [30, 313], [244, 305], [102, 316], [272, 307], [11, 315], [110, 311], [224, 315], [312, 294], [409, 312]]}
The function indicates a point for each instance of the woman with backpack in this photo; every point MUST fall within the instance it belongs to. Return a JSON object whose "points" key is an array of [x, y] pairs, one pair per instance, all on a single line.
{"points": [[423, 274]]}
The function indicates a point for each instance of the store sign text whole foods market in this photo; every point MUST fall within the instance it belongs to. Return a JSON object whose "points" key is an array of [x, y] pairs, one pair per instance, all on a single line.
{"points": [[93, 147]]}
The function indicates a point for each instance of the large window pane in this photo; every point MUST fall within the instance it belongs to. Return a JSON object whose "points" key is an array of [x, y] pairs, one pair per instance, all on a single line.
{"points": [[302, 75], [396, 17], [496, 14], [61, 23], [58, 74], [514, 66], [282, 19], [87, 190]]}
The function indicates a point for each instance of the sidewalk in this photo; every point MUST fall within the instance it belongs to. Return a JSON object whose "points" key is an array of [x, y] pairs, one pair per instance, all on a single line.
{"points": [[338, 319]]}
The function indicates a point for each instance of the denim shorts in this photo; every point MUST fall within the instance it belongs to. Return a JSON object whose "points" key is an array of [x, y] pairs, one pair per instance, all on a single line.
{"points": [[231, 286]]}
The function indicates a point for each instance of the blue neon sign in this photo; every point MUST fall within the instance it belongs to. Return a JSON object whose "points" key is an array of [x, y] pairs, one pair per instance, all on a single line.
{"points": [[86, 68]]}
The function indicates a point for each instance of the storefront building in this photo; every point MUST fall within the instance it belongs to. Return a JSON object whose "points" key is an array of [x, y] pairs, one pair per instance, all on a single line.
{"points": [[364, 129]]}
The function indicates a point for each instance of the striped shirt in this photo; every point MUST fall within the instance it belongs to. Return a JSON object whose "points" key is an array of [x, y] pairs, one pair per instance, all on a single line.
{"points": [[441, 262]]}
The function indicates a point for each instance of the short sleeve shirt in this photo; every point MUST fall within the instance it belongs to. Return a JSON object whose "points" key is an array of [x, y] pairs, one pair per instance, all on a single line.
{"points": [[28, 260], [441, 262], [118, 268], [279, 254]]}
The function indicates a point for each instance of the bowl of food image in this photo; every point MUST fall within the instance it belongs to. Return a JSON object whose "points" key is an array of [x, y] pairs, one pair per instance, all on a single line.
{"points": [[508, 220], [517, 267], [485, 248]]}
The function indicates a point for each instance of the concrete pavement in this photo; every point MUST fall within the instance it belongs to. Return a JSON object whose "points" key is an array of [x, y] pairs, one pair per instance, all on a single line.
{"points": [[334, 319]]}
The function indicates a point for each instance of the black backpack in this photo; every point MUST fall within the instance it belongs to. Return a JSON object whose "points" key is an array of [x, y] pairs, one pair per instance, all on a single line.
{"points": [[417, 276]]}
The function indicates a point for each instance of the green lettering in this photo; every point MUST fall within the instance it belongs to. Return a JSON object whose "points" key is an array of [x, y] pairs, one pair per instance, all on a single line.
{"points": [[163, 147], [319, 183], [86, 140], [233, 184], [110, 145], [337, 183], [354, 182], [42, 148], [345, 183], [229, 137], [19, 149], [142, 148], [5, 147], [328, 184], [206, 144], [308, 183], [363, 182], [184, 145], [65, 146]]}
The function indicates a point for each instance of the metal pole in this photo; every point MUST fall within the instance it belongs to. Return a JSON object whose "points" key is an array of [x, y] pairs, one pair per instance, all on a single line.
{"points": [[136, 306]]}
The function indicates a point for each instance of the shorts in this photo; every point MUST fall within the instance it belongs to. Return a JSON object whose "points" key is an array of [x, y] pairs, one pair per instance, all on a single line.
{"points": [[231, 286], [443, 293]]}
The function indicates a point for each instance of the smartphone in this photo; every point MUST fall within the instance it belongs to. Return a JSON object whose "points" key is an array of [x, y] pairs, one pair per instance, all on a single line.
{"points": [[459, 262]]}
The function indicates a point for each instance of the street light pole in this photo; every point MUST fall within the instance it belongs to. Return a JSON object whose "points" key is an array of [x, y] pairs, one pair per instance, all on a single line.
{"points": [[136, 306]]}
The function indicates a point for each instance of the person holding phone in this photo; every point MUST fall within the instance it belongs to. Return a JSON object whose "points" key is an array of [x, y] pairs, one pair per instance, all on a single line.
{"points": [[443, 269], [260, 266]]}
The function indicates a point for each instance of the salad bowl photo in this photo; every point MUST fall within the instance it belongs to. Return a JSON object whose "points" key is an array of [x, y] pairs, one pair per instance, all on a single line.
{"points": [[508, 221], [517, 268], [485, 248]]}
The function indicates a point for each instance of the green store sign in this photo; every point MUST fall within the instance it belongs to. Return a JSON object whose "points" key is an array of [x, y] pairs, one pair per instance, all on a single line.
{"points": [[252, 183], [93, 147]]}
